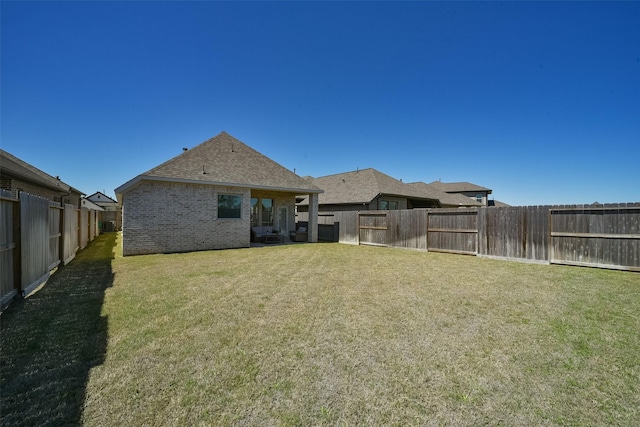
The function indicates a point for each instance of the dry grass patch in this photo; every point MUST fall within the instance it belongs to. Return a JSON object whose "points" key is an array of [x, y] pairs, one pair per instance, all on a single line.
{"points": [[335, 334]]}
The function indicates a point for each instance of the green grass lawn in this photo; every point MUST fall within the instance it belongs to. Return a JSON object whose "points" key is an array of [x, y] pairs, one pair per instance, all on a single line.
{"points": [[323, 334]]}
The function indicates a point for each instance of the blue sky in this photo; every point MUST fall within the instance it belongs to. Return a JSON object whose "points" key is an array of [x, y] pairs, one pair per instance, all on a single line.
{"points": [[539, 101]]}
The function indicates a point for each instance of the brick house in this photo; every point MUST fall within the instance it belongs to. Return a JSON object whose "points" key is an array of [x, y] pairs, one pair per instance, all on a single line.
{"points": [[210, 197], [17, 176]]}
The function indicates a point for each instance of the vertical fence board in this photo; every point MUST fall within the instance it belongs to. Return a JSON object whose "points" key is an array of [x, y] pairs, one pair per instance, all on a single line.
{"points": [[70, 233], [83, 228], [8, 247], [54, 235]]}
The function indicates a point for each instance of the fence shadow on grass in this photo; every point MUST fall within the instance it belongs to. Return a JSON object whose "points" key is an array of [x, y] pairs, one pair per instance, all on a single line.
{"points": [[50, 341]]}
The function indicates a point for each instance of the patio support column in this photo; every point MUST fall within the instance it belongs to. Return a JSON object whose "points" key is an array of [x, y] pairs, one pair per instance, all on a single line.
{"points": [[313, 218]]}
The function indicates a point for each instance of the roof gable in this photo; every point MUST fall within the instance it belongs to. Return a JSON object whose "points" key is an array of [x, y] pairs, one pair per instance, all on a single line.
{"points": [[224, 160], [100, 197]]}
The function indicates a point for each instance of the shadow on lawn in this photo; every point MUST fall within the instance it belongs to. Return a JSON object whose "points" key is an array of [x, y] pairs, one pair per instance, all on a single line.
{"points": [[51, 340]]}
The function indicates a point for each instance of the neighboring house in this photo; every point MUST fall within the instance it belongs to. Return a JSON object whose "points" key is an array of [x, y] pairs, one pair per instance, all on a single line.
{"points": [[210, 197], [473, 191], [86, 203], [112, 216], [447, 200], [366, 189], [17, 175], [498, 204]]}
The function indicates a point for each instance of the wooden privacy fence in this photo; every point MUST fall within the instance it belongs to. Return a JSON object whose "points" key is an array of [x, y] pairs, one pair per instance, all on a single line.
{"points": [[605, 236], [453, 230], [36, 235]]}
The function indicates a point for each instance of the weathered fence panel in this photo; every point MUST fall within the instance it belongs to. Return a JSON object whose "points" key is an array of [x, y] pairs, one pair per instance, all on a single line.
{"points": [[514, 232], [605, 236], [36, 235], [596, 236], [372, 228], [83, 227], [55, 234], [91, 225], [348, 231], [9, 217], [453, 230], [70, 233], [407, 229]]}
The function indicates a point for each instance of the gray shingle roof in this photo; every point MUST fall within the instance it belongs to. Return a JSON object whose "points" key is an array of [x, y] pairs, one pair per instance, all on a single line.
{"points": [[11, 165], [362, 186], [457, 187], [446, 199], [224, 160]]}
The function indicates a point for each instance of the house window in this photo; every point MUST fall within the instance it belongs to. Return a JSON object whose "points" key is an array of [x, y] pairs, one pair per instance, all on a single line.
{"points": [[479, 197], [388, 205], [267, 212], [229, 206]]}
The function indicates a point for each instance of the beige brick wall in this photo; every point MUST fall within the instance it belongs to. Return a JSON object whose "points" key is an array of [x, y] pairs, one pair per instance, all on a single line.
{"points": [[163, 217]]}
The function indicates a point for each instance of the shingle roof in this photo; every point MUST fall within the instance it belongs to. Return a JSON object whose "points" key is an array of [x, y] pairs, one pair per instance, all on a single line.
{"points": [[362, 186], [11, 165], [457, 187], [498, 204], [224, 160], [446, 199], [101, 198]]}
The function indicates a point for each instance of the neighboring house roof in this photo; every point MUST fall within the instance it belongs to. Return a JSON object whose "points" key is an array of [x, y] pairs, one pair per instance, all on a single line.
{"points": [[13, 166], [362, 186], [86, 203], [101, 199], [224, 160], [458, 187], [498, 204], [446, 199]]}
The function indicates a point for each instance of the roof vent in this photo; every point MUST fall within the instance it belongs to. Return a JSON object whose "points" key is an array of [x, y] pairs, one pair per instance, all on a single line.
{"points": [[185, 149]]}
